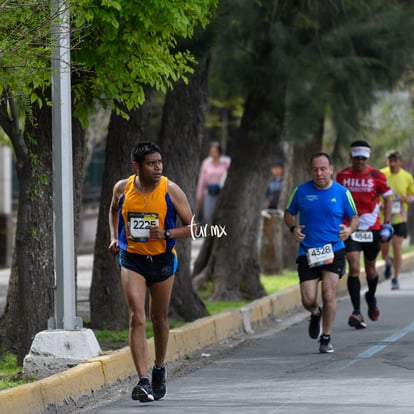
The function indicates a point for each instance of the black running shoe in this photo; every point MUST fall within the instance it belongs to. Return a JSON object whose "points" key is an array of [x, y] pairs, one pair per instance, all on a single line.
{"points": [[325, 345], [159, 385], [373, 310], [143, 391], [356, 321], [315, 324], [395, 284]]}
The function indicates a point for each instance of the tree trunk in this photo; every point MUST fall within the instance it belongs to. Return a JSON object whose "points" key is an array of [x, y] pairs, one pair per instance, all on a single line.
{"points": [[180, 140], [271, 246], [107, 301], [200, 270], [30, 296], [79, 156], [234, 259]]}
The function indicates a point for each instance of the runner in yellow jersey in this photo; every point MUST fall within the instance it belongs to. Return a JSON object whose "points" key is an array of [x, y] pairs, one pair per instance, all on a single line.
{"points": [[402, 184]]}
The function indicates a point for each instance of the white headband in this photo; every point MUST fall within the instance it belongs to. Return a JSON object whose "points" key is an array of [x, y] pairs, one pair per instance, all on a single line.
{"points": [[360, 152]]}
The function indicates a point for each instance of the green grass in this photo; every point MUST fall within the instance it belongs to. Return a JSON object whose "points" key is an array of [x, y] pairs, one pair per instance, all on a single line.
{"points": [[273, 284], [406, 249], [110, 340], [10, 373]]}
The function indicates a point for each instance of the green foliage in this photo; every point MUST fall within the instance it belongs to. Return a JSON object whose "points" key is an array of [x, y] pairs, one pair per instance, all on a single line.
{"points": [[25, 46], [389, 124], [312, 60], [117, 47], [127, 45], [33, 233], [10, 373], [356, 51]]}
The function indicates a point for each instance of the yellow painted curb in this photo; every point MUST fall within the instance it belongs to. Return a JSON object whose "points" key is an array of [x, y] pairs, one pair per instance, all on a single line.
{"points": [[116, 365], [203, 332], [23, 399], [36, 397]]}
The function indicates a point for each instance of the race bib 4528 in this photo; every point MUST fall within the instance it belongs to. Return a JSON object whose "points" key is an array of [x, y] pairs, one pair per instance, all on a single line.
{"points": [[319, 256]]}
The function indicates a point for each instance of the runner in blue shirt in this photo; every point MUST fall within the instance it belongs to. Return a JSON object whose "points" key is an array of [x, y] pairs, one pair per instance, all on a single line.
{"points": [[322, 204]]}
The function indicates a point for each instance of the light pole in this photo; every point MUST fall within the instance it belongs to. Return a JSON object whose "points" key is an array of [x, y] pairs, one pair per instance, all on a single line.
{"points": [[65, 343], [65, 297]]}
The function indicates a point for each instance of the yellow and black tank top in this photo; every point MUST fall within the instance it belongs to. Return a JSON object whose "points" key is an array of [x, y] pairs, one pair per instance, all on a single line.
{"points": [[137, 211]]}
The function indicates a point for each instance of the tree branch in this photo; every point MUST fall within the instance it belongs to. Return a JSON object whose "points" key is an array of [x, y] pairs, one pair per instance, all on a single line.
{"points": [[9, 121]]}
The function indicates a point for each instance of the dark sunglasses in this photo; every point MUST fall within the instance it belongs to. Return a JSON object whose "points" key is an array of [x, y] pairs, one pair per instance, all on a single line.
{"points": [[144, 149], [360, 158]]}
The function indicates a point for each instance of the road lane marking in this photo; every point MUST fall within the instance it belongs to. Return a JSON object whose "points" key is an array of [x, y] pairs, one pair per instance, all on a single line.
{"points": [[371, 351], [368, 353]]}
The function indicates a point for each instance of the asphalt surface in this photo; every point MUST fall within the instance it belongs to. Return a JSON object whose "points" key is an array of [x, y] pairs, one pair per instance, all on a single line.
{"points": [[276, 369], [279, 369]]}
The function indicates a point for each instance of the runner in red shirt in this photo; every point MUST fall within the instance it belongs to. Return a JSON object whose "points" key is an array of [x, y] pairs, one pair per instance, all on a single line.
{"points": [[366, 185]]}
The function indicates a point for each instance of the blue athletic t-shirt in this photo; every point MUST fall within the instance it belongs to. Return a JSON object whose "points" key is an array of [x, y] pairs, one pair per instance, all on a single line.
{"points": [[321, 212]]}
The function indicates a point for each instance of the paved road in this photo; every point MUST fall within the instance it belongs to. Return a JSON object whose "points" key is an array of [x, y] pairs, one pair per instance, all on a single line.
{"points": [[279, 370]]}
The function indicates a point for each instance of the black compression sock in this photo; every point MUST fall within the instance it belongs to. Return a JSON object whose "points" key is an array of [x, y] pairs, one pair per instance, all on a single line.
{"points": [[354, 289], [372, 285]]}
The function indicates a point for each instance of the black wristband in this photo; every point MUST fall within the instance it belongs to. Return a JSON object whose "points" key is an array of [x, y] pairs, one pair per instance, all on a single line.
{"points": [[292, 228]]}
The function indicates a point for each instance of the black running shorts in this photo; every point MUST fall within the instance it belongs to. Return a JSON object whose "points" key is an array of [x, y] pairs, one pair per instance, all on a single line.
{"points": [[311, 273], [370, 250], [153, 268], [400, 229]]}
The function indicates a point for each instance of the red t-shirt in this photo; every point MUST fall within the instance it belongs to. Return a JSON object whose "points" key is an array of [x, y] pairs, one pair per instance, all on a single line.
{"points": [[366, 188]]}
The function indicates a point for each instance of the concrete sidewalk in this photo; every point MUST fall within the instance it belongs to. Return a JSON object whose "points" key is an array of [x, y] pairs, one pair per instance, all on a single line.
{"points": [[61, 392]]}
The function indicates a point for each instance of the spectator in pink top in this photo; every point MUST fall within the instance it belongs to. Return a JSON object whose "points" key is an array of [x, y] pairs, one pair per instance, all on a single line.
{"points": [[213, 172]]}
